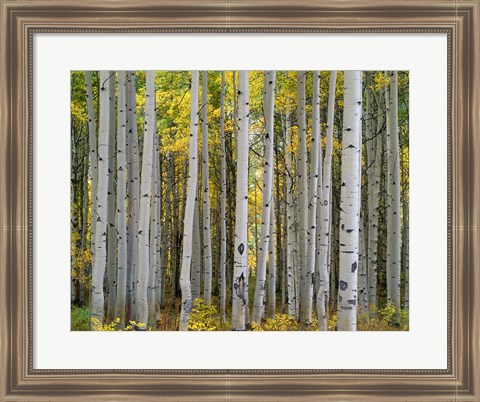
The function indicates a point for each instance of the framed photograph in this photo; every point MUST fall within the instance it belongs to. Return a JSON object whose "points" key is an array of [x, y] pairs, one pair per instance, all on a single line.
{"points": [[280, 196]]}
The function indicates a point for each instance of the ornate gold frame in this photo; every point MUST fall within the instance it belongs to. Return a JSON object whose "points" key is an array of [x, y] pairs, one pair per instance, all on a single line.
{"points": [[20, 20]]}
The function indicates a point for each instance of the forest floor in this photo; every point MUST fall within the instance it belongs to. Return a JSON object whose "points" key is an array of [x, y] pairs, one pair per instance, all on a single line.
{"points": [[207, 318]]}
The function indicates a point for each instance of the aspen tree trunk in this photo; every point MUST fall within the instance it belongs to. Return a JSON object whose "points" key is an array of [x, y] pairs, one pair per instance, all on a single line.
{"points": [[98, 269], [406, 251], [291, 285], [143, 244], [84, 198], [85, 217], [160, 267], [334, 257], [296, 249], [267, 196], [373, 212], [189, 208], [279, 218], [362, 271], [133, 189], [164, 224], [315, 177], [111, 225], [349, 203], [207, 247], [272, 266], [196, 255], [92, 142], [223, 207], [325, 212], [394, 241], [371, 183], [305, 277], [121, 200], [172, 212], [153, 266], [240, 272], [329, 295], [231, 186], [73, 210]]}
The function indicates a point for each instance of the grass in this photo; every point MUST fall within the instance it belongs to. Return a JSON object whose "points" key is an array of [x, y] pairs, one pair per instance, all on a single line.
{"points": [[79, 319]]}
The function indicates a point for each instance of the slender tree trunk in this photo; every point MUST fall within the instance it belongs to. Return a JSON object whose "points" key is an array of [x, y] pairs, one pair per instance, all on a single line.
{"points": [[111, 225], [374, 211], [305, 276], [231, 186], [165, 230], [371, 141], [331, 264], [240, 273], [272, 266], [92, 142], [85, 217], [315, 177], [279, 229], [267, 196], [223, 207], [296, 249], [325, 212], [143, 245], [394, 239], [406, 251], [291, 285], [190, 207], [154, 262], [98, 271], [172, 208], [207, 247], [133, 189], [196, 255], [121, 200], [362, 271], [349, 203], [160, 266]]}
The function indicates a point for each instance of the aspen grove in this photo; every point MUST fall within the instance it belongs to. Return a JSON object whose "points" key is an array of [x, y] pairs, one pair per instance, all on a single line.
{"points": [[239, 200]]}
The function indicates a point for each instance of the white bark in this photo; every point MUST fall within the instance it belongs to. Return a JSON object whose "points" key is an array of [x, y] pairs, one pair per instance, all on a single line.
{"points": [[267, 196], [189, 208], [292, 301], [303, 195], [133, 189], [223, 207], [406, 257], [121, 200], [362, 272], [196, 256], [143, 245], [316, 159], [394, 241], [154, 262], [349, 203], [160, 267], [325, 212], [373, 212], [272, 264], [98, 269], [111, 215], [240, 273], [207, 247]]}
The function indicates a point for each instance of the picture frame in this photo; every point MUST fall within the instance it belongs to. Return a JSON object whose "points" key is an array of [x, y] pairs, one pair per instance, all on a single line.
{"points": [[20, 20]]}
